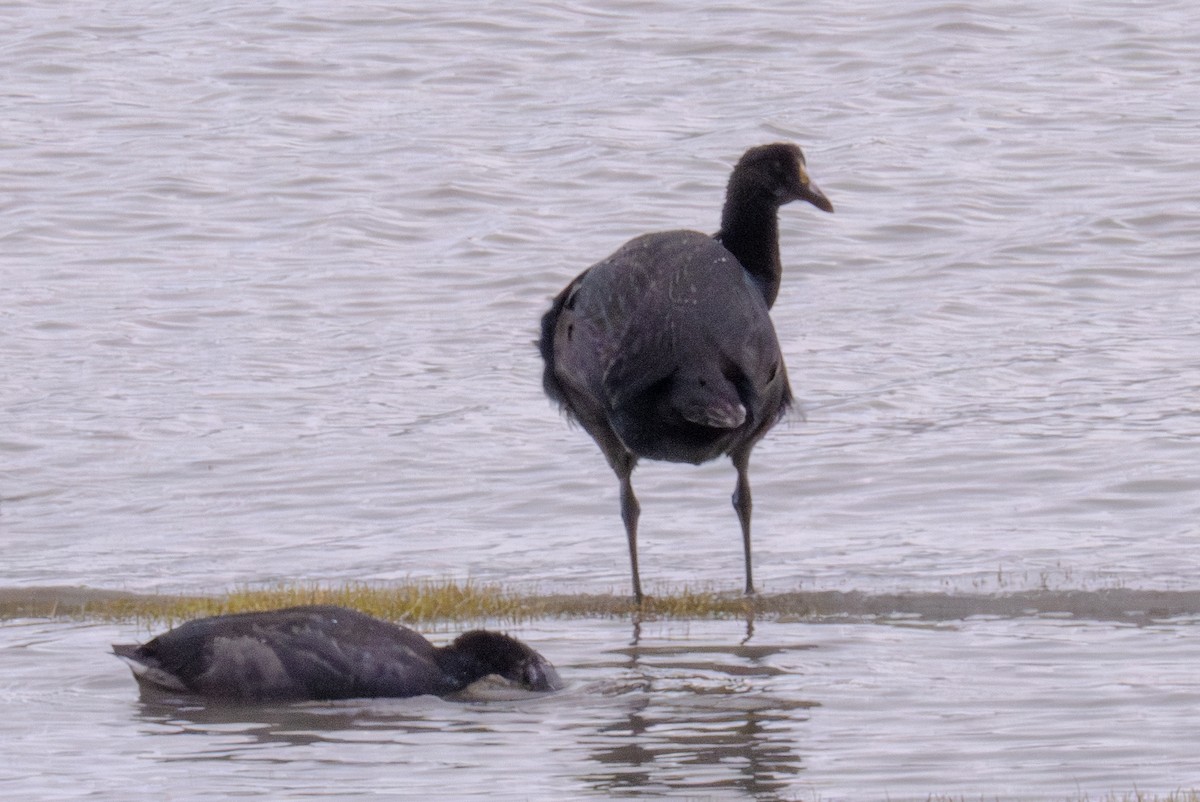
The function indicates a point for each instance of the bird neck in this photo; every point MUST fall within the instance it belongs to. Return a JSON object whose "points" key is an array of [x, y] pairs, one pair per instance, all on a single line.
{"points": [[459, 670], [750, 231]]}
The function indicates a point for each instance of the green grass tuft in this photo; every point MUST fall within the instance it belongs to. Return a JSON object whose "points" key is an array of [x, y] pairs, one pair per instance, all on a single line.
{"points": [[414, 602], [423, 601]]}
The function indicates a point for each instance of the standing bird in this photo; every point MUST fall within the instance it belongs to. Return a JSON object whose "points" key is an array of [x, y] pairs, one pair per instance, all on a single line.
{"points": [[665, 350]]}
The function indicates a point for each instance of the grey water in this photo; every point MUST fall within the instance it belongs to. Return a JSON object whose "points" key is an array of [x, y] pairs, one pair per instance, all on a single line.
{"points": [[269, 280]]}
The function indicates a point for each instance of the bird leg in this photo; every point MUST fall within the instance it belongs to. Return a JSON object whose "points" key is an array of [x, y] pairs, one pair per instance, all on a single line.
{"points": [[742, 505], [630, 509]]}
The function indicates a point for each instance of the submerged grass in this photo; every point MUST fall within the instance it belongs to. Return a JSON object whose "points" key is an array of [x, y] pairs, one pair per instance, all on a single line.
{"points": [[414, 602], [427, 601]]}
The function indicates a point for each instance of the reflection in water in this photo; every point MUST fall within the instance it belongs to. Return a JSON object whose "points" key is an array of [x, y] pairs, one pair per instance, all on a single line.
{"points": [[689, 712], [690, 715], [284, 725], [693, 718]]}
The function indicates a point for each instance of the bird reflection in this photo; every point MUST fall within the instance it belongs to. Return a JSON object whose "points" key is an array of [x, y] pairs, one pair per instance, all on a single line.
{"points": [[693, 720], [637, 616], [281, 725], [676, 715]]}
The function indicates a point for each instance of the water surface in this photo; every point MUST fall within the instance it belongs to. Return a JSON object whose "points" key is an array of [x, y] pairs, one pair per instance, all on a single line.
{"points": [[269, 277]]}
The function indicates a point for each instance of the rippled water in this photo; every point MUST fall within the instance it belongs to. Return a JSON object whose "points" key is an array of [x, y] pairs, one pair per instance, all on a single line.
{"points": [[1034, 708], [269, 276]]}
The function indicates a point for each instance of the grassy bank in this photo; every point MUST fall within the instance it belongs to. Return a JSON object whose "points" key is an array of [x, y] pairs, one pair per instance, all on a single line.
{"points": [[412, 602], [425, 601]]}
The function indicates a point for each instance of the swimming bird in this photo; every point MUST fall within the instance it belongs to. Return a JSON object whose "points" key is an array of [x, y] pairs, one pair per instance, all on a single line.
{"points": [[323, 652], [665, 350]]}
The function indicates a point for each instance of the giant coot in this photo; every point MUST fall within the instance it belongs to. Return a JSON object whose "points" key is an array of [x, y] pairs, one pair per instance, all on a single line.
{"points": [[666, 350], [323, 652]]}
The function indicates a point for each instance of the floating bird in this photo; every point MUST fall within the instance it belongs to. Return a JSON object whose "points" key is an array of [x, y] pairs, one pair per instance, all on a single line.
{"points": [[665, 350], [323, 652]]}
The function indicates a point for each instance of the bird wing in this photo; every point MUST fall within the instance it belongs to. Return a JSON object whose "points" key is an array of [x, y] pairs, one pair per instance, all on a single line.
{"points": [[697, 318]]}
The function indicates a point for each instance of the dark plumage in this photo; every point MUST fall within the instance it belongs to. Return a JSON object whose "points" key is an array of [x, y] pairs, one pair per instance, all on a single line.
{"points": [[666, 350], [323, 652]]}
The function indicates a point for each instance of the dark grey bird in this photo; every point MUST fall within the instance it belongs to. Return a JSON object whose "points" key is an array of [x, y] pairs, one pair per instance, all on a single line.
{"points": [[666, 350], [323, 652]]}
